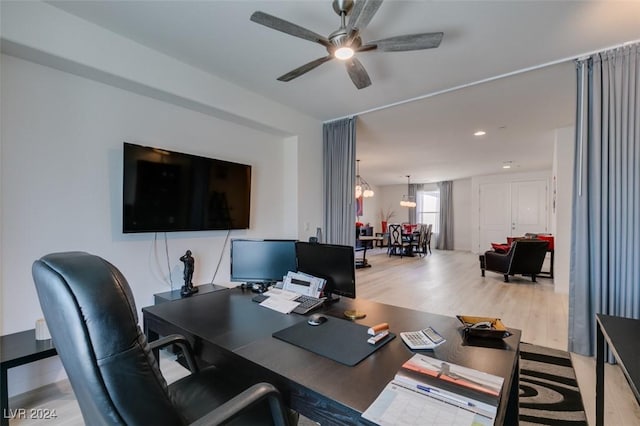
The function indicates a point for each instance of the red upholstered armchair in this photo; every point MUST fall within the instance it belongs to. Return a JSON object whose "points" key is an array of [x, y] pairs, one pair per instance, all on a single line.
{"points": [[525, 257]]}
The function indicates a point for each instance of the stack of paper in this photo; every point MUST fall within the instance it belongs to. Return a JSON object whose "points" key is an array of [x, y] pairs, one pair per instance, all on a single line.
{"points": [[280, 300], [428, 391]]}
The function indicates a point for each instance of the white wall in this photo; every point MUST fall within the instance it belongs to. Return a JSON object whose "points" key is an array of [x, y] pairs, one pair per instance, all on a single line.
{"points": [[62, 177], [63, 125], [563, 171], [390, 196]]}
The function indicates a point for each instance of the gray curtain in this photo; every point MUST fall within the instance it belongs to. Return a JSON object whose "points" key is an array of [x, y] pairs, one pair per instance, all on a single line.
{"points": [[339, 165], [605, 246], [413, 192], [445, 234]]}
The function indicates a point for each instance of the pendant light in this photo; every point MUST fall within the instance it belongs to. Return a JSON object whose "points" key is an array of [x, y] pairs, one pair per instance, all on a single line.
{"points": [[363, 189], [408, 200]]}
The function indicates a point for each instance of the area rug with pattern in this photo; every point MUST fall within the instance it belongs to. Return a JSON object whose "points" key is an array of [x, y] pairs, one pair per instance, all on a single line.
{"points": [[549, 393]]}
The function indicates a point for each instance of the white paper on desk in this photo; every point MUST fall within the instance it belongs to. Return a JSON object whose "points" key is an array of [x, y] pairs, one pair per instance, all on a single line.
{"points": [[279, 304], [399, 406], [284, 294]]}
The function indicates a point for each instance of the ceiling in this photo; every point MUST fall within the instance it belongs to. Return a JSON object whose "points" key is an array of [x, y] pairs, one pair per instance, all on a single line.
{"points": [[503, 66]]}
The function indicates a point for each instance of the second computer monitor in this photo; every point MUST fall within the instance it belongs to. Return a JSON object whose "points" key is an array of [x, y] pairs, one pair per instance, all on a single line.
{"points": [[335, 263], [262, 261]]}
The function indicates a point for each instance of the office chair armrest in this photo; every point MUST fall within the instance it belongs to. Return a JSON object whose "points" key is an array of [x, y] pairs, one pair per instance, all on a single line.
{"points": [[497, 261], [185, 347], [245, 399]]}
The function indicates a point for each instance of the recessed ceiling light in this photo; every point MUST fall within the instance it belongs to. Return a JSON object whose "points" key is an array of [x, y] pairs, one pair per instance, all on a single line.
{"points": [[506, 165], [480, 133]]}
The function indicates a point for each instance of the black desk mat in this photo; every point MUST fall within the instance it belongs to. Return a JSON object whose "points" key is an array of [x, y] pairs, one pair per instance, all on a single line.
{"points": [[340, 340]]}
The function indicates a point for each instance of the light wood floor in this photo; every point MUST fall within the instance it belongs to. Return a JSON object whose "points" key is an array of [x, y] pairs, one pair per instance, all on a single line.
{"points": [[447, 283]]}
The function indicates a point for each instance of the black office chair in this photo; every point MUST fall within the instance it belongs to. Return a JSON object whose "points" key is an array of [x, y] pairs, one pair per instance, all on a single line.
{"points": [[525, 257], [92, 317]]}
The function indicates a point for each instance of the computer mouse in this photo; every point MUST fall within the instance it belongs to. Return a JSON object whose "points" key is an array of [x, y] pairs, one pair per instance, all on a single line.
{"points": [[317, 319]]}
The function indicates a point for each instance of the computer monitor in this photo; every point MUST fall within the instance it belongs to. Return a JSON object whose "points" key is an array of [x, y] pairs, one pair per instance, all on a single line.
{"points": [[335, 263], [262, 261]]}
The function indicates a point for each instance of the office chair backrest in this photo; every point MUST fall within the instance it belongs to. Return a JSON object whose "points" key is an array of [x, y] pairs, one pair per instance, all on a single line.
{"points": [[92, 317], [527, 256]]}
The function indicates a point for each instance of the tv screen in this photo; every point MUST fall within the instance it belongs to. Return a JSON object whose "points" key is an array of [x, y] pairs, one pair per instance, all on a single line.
{"points": [[262, 261], [335, 263], [172, 191]]}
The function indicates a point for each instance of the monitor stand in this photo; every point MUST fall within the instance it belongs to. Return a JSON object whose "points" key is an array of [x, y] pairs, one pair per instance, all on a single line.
{"points": [[331, 298]]}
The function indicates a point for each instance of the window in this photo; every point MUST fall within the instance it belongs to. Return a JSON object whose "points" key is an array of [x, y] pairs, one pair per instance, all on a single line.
{"points": [[428, 208]]}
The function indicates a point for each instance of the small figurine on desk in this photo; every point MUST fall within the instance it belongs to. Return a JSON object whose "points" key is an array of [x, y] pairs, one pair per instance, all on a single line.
{"points": [[189, 263]]}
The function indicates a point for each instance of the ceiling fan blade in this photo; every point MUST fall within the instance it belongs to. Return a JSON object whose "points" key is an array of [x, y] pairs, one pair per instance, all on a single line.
{"points": [[288, 28], [305, 68], [357, 73], [406, 42], [361, 15]]}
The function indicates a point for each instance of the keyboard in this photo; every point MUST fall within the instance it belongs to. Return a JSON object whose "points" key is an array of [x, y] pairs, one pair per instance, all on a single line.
{"points": [[307, 303]]}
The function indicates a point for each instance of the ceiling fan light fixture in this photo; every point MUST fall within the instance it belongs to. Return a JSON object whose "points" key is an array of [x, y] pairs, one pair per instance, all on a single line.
{"points": [[343, 53], [345, 41]]}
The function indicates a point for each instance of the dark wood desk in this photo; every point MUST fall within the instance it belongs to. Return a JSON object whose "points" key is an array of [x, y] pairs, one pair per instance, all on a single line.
{"points": [[228, 329], [18, 349], [168, 296], [621, 336]]}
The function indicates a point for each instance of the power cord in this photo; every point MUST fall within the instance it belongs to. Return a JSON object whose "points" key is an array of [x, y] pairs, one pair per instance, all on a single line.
{"points": [[166, 250], [226, 239]]}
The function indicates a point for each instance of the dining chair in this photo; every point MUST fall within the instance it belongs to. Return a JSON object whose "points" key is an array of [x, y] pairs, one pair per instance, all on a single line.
{"points": [[427, 238], [397, 245], [419, 245]]}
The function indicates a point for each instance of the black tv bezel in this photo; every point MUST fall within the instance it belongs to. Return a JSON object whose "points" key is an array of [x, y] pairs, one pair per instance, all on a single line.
{"points": [[128, 229]]}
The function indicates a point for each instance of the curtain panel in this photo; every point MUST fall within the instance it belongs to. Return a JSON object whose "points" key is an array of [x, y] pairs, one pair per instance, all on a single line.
{"points": [[339, 164], [444, 239], [605, 246], [413, 192]]}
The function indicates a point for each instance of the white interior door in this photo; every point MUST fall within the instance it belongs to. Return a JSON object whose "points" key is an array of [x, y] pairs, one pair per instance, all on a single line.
{"points": [[529, 210], [511, 209], [495, 214]]}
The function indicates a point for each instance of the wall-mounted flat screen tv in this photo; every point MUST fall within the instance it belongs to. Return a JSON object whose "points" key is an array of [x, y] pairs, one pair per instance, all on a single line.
{"points": [[171, 191]]}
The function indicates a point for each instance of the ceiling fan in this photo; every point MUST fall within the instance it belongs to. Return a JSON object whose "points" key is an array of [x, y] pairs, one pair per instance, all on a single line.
{"points": [[345, 41]]}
